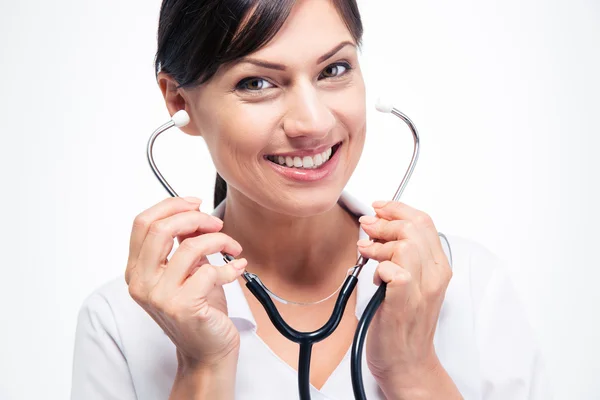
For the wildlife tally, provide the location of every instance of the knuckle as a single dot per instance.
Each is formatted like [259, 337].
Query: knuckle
[394, 205]
[193, 244]
[423, 219]
[135, 290]
[399, 247]
[159, 228]
[396, 227]
[428, 291]
[211, 272]
[435, 289]
[128, 275]
[408, 226]
[403, 246]
[438, 288]
[141, 221]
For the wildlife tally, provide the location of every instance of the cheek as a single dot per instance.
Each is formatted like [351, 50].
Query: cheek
[352, 114]
[238, 140]
[349, 105]
[356, 120]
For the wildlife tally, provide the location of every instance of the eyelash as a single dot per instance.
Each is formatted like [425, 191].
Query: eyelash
[240, 85]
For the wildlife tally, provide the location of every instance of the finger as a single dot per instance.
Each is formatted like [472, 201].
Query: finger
[207, 277]
[142, 222]
[401, 252]
[393, 210]
[401, 287]
[385, 230]
[189, 254]
[159, 241]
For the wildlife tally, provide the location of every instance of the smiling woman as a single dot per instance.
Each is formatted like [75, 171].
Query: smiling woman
[217, 43]
[296, 96]
[276, 91]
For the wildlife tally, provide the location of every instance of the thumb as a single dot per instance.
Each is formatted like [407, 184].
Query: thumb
[401, 287]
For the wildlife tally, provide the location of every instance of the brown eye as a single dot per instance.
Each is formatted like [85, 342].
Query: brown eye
[253, 84]
[334, 70]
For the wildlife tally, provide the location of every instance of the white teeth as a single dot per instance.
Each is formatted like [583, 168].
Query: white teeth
[318, 160]
[307, 162]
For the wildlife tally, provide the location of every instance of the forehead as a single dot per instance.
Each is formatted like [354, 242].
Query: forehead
[312, 28]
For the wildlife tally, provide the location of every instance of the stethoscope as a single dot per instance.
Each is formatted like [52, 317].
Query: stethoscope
[264, 295]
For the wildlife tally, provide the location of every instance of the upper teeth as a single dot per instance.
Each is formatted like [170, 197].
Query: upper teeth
[303, 162]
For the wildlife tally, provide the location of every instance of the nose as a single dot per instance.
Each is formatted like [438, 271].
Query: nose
[307, 116]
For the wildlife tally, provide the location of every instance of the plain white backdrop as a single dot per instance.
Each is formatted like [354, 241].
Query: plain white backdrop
[505, 95]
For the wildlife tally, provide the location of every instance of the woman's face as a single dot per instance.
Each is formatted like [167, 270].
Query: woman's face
[299, 100]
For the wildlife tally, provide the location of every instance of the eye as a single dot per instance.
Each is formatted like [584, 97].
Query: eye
[335, 70]
[253, 84]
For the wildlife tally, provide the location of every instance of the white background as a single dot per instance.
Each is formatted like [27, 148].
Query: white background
[505, 95]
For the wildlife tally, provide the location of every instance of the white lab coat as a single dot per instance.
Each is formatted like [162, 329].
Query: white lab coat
[483, 340]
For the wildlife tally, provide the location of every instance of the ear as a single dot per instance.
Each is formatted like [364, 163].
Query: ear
[176, 99]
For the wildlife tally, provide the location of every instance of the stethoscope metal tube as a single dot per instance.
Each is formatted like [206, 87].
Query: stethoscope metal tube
[179, 119]
[257, 288]
[369, 312]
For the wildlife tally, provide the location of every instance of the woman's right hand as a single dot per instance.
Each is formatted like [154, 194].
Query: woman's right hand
[184, 295]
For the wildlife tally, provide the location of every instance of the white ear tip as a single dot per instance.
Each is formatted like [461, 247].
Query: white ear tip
[384, 106]
[181, 118]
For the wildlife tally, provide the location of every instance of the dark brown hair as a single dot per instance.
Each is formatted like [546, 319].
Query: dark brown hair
[195, 37]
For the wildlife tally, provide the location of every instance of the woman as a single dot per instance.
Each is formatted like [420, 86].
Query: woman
[275, 89]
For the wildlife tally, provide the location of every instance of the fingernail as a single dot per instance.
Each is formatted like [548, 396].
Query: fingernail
[192, 199]
[364, 243]
[367, 219]
[379, 203]
[219, 220]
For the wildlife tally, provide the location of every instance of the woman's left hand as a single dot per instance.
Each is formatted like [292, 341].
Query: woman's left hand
[400, 351]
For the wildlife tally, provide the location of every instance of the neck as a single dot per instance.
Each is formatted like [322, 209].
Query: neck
[293, 254]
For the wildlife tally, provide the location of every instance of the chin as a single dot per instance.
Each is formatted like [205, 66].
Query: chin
[308, 202]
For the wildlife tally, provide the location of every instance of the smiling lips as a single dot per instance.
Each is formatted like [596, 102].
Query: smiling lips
[304, 162]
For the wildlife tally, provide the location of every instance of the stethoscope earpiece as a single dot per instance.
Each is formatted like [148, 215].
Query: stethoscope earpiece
[181, 118]
[383, 105]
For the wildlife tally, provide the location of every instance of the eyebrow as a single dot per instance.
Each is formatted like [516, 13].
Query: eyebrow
[281, 67]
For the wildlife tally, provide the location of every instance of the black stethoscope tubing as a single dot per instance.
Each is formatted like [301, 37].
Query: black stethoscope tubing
[307, 339]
